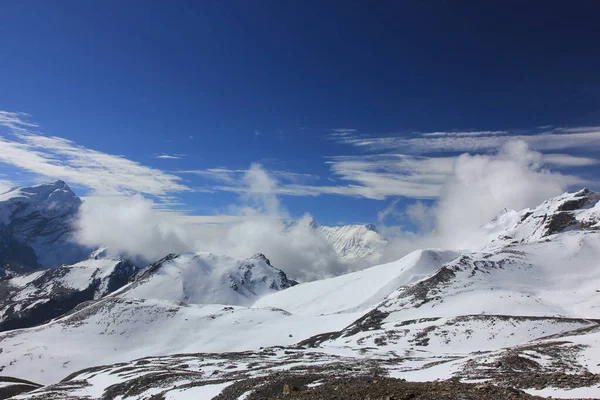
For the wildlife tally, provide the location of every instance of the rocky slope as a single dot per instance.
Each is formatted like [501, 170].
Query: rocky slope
[36, 228]
[37, 297]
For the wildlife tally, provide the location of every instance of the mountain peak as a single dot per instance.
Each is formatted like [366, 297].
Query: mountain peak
[58, 191]
[39, 220]
[261, 257]
[207, 278]
[371, 227]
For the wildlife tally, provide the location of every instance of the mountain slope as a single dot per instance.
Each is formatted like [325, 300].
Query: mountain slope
[205, 278]
[35, 227]
[117, 329]
[522, 310]
[37, 297]
[358, 291]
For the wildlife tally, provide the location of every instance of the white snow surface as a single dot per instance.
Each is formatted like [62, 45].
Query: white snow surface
[115, 330]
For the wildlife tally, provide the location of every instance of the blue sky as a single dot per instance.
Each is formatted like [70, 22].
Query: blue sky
[348, 106]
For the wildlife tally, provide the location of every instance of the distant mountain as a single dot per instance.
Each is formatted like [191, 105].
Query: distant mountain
[354, 242]
[36, 228]
[37, 297]
[350, 242]
[205, 278]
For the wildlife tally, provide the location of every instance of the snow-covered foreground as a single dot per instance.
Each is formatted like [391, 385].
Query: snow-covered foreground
[115, 330]
[523, 311]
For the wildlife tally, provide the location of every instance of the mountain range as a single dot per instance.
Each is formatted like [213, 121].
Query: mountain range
[515, 318]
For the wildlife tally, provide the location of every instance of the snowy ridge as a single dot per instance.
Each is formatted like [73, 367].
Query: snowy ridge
[205, 278]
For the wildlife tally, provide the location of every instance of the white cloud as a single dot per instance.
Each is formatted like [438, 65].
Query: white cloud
[16, 121]
[389, 210]
[478, 189]
[5, 186]
[567, 160]
[481, 186]
[133, 226]
[59, 158]
[421, 215]
[384, 175]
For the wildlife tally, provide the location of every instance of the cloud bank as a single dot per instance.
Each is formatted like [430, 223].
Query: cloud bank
[135, 227]
[475, 190]
[478, 189]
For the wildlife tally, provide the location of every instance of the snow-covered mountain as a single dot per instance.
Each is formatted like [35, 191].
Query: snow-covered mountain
[36, 228]
[355, 242]
[350, 242]
[37, 297]
[205, 278]
[522, 311]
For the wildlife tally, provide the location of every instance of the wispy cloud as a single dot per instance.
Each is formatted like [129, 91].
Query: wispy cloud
[373, 176]
[59, 158]
[567, 160]
[165, 156]
[465, 133]
[344, 130]
[377, 176]
[557, 139]
[233, 176]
